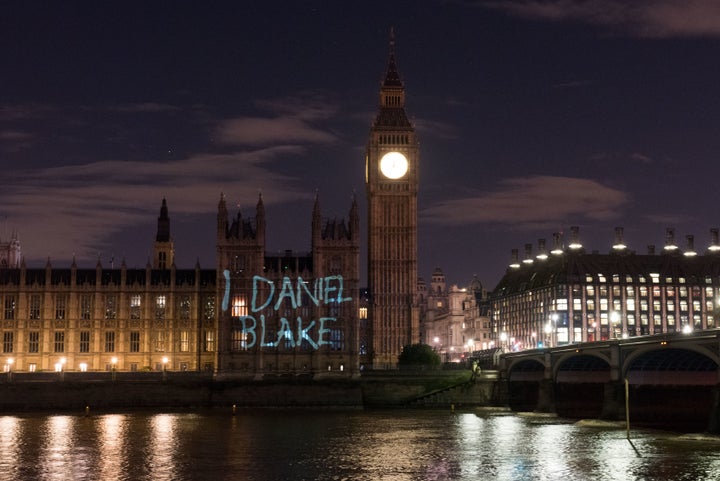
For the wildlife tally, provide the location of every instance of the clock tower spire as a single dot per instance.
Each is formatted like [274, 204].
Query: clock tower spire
[391, 170]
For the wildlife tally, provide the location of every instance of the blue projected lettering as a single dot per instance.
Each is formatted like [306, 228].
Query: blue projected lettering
[325, 290]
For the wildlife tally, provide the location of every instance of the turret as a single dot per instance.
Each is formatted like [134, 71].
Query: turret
[222, 218]
[163, 248]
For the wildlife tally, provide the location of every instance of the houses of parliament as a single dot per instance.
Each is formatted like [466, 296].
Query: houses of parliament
[252, 314]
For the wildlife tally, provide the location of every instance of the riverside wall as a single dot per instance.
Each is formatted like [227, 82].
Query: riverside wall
[118, 391]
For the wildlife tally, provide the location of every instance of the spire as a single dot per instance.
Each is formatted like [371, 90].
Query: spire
[392, 95]
[354, 219]
[316, 220]
[260, 220]
[163, 225]
[222, 218]
[392, 77]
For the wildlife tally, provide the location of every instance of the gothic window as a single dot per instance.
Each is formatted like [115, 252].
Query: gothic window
[337, 339]
[35, 306]
[135, 306]
[59, 344]
[184, 341]
[134, 341]
[60, 306]
[8, 341]
[110, 341]
[86, 306]
[159, 341]
[110, 306]
[209, 341]
[184, 308]
[84, 341]
[239, 306]
[209, 308]
[9, 307]
[160, 307]
[34, 341]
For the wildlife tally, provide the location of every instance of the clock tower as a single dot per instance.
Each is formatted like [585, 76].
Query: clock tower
[391, 175]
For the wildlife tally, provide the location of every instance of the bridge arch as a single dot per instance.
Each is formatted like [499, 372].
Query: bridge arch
[664, 357]
[577, 367]
[527, 369]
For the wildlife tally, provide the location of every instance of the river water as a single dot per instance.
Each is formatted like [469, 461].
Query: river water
[348, 445]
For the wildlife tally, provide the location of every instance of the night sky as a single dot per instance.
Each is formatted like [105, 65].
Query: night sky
[533, 116]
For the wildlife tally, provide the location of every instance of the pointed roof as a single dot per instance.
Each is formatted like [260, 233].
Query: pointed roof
[163, 224]
[392, 76]
[391, 115]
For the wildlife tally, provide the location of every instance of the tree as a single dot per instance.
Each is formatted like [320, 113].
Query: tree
[417, 355]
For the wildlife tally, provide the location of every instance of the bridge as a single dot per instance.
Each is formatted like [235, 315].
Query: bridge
[672, 379]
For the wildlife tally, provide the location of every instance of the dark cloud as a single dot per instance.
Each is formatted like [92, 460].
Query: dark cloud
[532, 201]
[649, 18]
[265, 131]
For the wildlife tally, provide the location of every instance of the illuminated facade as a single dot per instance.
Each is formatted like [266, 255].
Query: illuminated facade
[453, 321]
[294, 314]
[391, 171]
[102, 319]
[570, 296]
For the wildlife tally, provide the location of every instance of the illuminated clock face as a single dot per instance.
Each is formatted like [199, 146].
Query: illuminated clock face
[393, 165]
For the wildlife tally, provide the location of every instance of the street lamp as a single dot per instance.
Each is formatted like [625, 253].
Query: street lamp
[164, 363]
[60, 367]
[114, 361]
[10, 362]
[548, 333]
[614, 320]
[503, 339]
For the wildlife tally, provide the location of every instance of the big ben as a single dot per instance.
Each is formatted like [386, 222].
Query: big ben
[391, 172]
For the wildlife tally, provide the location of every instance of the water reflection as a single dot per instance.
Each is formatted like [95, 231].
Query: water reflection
[396, 445]
[9, 445]
[162, 447]
[56, 454]
[111, 438]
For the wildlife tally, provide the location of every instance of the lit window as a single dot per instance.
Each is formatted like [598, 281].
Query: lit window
[184, 341]
[110, 307]
[135, 305]
[239, 306]
[160, 307]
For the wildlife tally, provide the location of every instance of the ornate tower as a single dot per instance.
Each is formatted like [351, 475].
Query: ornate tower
[391, 172]
[163, 248]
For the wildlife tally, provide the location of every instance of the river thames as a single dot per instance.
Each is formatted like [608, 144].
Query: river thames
[342, 445]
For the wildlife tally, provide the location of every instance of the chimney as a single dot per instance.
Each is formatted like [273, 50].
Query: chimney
[514, 263]
[619, 245]
[690, 251]
[528, 254]
[575, 238]
[557, 244]
[542, 253]
[714, 244]
[670, 239]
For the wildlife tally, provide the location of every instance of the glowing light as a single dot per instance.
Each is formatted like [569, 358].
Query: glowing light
[393, 165]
